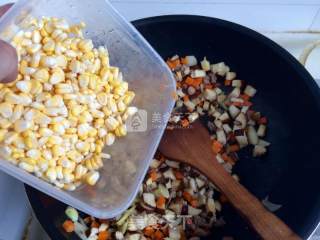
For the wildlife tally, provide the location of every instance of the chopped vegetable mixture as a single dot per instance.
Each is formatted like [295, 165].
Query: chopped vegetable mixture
[175, 201]
[172, 196]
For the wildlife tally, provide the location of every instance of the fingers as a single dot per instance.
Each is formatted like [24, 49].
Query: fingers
[8, 56]
[5, 8]
[8, 63]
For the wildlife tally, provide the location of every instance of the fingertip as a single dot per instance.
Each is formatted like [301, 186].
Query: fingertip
[9, 63]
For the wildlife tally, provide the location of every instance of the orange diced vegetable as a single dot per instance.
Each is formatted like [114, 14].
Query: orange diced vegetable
[228, 159]
[189, 81]
[185, 123]
[161, 202]
[68, 226]
[194, 203]
[153, 175]
[148, 231]
[95, 224]
[197, 81]
[184, 61]
[216, 146]
[104, 235]
[245, 97]
[247, 103]
[158, 235]
[237, 104]
[173, 63]
[187, 196]
[227, 82]
[178, 175]
[186, 98]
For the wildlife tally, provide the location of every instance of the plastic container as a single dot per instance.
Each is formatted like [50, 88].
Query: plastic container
[148, 77]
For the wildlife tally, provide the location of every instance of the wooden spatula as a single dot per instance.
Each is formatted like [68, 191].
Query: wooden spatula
[193, 146]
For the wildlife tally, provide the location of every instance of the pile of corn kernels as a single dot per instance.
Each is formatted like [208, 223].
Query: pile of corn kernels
[65, 106]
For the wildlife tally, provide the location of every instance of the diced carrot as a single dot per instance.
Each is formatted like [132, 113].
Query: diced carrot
[234, 148]
[247, 103]
[189, 80]
[245, 97]
[186, 98]
[178, 84]
[174, 64]
[196, 82]
[174, 95]
[185, 123]
[194, 203]
[68, 226]
[184, 60]
[263, 120]
[237, 104]
[95, 224]
[153, 175]
[103, 235]
[161, 202]
[187, 196]
[228, 159]
[216, 146]
[158, 235]
[178, 175]
[223, 198]
[227, 82]
[148, 231]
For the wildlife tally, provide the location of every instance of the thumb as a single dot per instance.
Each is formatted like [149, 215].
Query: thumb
[8, 63]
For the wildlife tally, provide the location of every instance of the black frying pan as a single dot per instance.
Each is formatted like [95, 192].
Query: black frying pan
[287, 94]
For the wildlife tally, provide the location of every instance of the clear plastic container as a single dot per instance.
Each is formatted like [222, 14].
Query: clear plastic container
[148, 77]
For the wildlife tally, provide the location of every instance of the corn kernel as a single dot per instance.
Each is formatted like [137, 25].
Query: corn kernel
[92, 177]
[41, 75]
[6, 109]
[51, 174]
[54, 115]
[27, 167]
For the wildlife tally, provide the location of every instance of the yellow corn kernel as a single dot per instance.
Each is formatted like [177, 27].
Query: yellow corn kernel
[3, 132]
[129, 96]
[92, 177]
[5, 124]
[44, 33]
[33, 48]
[84, 80]
[27, 167]
[49, 46]
[57, 151]
[30, 142]
[41, 75]
[51, 174]
[80, 171]
[6, 109]
[109, 139]
[22, 125]
[85, 45]
[24, 86]
[121, 131]
[83, 147]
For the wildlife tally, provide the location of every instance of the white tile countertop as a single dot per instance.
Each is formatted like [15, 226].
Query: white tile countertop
[292, 23]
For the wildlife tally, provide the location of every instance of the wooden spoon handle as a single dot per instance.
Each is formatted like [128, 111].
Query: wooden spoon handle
[266, 224]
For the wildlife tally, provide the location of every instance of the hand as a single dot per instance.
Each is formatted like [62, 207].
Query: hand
[8, 56]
